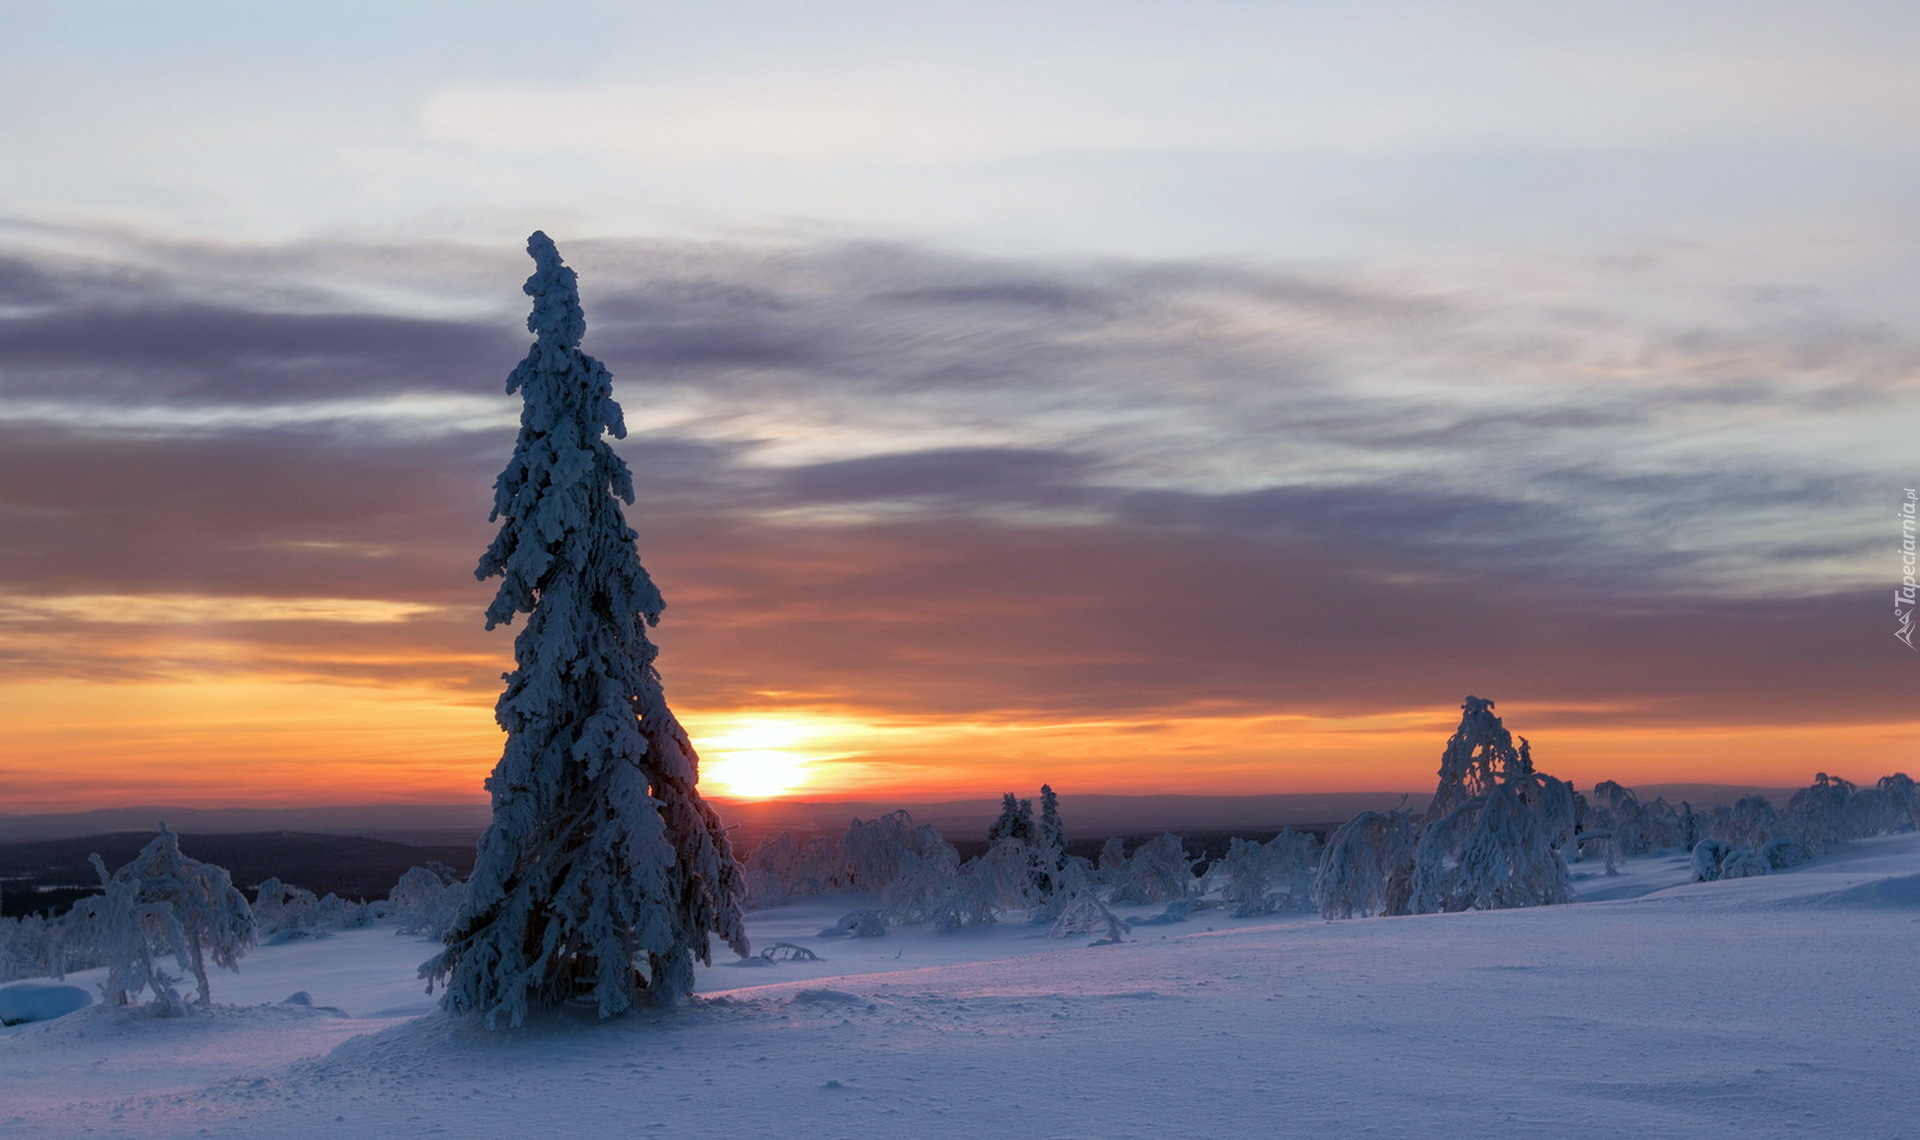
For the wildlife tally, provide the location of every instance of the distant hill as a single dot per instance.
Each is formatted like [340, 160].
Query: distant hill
[460, 824]
[47, 875]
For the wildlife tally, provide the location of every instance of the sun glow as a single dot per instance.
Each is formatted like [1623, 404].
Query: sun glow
[760, 756]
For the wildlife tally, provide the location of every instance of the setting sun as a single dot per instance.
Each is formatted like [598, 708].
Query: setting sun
[760, 757]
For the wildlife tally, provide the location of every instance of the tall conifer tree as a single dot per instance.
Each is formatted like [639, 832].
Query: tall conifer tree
[603, 874]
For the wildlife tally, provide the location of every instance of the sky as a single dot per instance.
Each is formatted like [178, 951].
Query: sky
[1133, 397]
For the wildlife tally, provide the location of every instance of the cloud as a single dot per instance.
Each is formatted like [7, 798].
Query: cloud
[881, 477]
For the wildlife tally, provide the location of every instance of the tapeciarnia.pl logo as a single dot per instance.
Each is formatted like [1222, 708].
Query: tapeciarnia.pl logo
[1903, 598]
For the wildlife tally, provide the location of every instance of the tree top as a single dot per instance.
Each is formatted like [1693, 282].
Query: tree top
[556, 316]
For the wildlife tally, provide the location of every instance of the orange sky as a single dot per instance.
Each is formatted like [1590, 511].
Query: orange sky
[233, 742]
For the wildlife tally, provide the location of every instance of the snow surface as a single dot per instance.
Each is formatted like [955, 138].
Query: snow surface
[1772, 1006]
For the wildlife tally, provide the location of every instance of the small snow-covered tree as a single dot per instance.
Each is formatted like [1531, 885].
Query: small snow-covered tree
[603, 874]
[162, 904]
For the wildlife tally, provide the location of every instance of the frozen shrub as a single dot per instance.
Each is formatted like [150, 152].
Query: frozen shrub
[1744, 863]
[1158, 871]
[1783, 853]
[787, 866]
[1817, 814]
[161, 905]
[1264, 877]
[923, 887]
[1708, 857]
[864, 923]
[1902, 799]
[426, 900]
[28, 947]
[1750, 822]
[1088, 915]
[999, 881]
[278, 907]
[878, 851]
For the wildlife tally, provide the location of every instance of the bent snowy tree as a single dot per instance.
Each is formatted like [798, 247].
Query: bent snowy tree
[1492, 837]
[603, 873]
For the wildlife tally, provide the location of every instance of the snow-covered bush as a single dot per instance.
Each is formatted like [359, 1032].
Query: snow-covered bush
[1367, 867]
[29, 947]
[426, 900]
[1086, 914]
[278, 906]
[1265, 877]
[924, 885]
[1709, 855]
[162, 904]
[1744, 863]
[863, 923]
[1817, 814]
[1782, 854]
[1750, 822]
[1112, 867]
[999, 881]
[603, 875]
[876, 852]
[281, 911]
[1159, 870]
[1902, 799]
[787, 866]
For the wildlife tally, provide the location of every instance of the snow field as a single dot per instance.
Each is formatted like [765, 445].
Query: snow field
[1773, 1006]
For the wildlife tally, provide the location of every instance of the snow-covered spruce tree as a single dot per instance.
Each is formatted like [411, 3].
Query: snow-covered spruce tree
[162, 904]
[1015, 822]
[1053, 837]
[603, 872]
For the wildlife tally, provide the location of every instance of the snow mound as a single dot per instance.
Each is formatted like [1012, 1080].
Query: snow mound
[22, 1002]
[1902, 892]
[827, 997]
